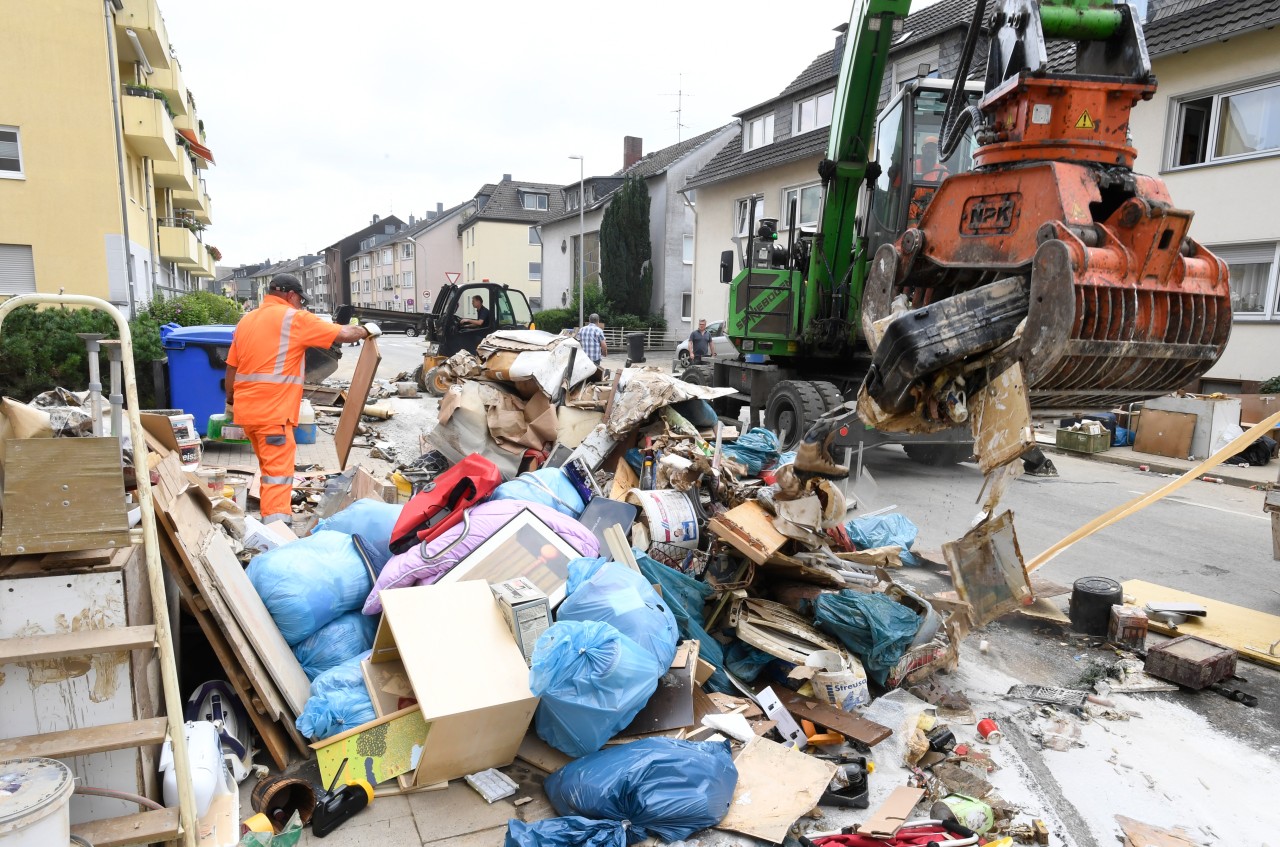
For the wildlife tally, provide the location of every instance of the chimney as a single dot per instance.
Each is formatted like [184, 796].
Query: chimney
[375, 219]
[439, 208]
[506, 177]
[632, 150]
[412, 221]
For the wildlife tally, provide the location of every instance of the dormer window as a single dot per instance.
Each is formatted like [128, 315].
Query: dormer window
[814, 112]
[533, 202]
[757, 133]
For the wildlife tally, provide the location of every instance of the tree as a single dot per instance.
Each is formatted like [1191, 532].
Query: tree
[625, 250]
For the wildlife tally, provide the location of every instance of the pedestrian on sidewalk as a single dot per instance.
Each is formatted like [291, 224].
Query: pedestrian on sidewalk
[591, 338]
[264, 382]
[700, 342]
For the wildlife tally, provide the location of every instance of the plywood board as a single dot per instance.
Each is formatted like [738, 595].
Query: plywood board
[540, 754]
[63, 494]
[1249, 632]
[671, 706]
[750, 530]
[357, 394]
[1139, 834]
[986, 567]
[848, 724]
[776, 785]
[1000, 418]
[1163, 433]
[376, 751]
[255, 621]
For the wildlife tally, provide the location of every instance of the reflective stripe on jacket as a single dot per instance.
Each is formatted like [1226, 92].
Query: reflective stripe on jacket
[267, 351]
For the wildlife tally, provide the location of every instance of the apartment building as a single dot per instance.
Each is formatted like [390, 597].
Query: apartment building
[337, 257]
[102, 155]
[500, 240]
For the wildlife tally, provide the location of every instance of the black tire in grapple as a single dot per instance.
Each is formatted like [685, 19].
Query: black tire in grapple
[697, 375]
[792, 408]
[939, 455]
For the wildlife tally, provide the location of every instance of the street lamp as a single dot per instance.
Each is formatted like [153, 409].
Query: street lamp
[582, 242]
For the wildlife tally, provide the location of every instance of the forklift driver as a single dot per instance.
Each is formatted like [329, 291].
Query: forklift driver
[482, 313]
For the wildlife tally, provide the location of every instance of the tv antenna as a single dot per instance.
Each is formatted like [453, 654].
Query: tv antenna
[679, 110]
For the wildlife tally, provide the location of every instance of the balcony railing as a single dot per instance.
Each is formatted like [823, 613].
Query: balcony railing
[179, 245]
[147, 127]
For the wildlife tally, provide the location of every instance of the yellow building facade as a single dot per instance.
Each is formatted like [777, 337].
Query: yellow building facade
[102, 155]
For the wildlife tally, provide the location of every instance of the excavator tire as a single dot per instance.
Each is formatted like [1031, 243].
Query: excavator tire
[830, 394]
[792, 408]
[435, 383]
[697, 375]
[939, 455]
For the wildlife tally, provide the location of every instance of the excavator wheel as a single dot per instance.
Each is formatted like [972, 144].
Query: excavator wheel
[792, 408]
[939, 455]
[833, 399]
[697, 375]
[435, 382]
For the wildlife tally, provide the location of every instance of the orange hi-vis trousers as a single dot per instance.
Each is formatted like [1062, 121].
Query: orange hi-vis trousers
[275, 448]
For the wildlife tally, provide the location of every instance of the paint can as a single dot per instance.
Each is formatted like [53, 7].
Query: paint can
[671, 516]
[989, 731]
[1091, 600]
[966, 811]
[838, 682]
[35, 794]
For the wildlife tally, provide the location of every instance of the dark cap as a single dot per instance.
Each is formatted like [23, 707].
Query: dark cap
[285, 282]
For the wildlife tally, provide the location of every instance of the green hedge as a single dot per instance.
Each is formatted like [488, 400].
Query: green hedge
[1271, 386]
[195, 308]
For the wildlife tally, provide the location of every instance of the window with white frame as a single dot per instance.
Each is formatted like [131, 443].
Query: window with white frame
[688, 249]
[535, 270]
[406, 279]
[534, 202]
[743, 216]
[808, 200]
[757, 133]
[10, 153]
[534, 238]
[1254, 292]
[364, 263]
[1234, 124]
[355, 266]
[386, 256]
[406, 251]
[686, 306]
[814, 112]
[17, 270]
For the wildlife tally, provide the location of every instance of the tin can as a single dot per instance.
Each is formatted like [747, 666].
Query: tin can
[989, 731]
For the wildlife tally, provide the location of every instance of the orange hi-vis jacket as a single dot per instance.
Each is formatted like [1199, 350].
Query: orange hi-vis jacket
[267, 351]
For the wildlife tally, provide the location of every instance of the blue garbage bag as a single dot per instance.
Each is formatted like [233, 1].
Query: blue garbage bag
[310, 582]
[884, 530]
[744, 661]
[666, 788]
[571, 831]
[339, 701]
[686, 596]
[371, 520]
[879, 630]
[698, 412]
[600, 590]
[335, 642]
[546, 487]
[593, 681]
[757, 449]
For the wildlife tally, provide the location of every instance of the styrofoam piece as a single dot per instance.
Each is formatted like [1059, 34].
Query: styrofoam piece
[492, 784]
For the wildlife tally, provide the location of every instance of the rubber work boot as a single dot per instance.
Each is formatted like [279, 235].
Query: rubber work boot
[814, 453]
[1036, 463]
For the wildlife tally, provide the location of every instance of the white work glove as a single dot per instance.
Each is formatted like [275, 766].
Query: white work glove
[373, 329]
[230, 412]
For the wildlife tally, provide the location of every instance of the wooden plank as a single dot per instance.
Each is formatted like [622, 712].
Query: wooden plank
[255, 621]
[858, 728]
[79, 558]
[1139, 834]
[82, 742]
[357, 395]
[83, 642]
[776, 785]
[142, 828]
[1250, 633]
[749, 529]
[63, 494]
[540, 754]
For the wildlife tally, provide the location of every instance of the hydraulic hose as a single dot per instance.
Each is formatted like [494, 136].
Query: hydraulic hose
[119, 795]
[953, 127]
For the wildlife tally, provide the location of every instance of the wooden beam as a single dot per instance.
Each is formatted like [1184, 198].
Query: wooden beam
[141, 828]
[845, 723]
[79, 643]
[82, 742]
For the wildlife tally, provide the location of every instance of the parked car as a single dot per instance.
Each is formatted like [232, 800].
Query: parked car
[720, 346]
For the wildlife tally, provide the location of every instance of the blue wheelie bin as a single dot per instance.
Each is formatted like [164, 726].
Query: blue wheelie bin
[197, 368]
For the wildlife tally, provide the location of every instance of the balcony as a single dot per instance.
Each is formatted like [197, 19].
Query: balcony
[169, 80]
[143, 17]
[179, 245]
[195, 201]
[148, 129]
[206, 264]
[179, 175]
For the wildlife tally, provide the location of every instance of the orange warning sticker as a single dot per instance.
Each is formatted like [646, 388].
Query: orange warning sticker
[1085, 122]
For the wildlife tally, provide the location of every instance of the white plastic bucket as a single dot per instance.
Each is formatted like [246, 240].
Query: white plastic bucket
[669, 515]
[34, 794]
[838, 682]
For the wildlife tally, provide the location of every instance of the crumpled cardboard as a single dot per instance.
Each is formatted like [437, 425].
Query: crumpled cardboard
[641, 392]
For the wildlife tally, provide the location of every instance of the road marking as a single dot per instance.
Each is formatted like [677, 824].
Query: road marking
[1207, 506]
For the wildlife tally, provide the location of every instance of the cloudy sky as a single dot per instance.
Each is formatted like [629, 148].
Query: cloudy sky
[322, 113]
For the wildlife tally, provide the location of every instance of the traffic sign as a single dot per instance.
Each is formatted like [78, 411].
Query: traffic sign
[410, 302]
[452, 276]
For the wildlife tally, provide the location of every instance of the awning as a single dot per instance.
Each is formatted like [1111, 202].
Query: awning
[196, 147]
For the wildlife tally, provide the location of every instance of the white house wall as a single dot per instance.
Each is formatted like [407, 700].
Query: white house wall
[557, 265]
[439, 252]
[1230, 200]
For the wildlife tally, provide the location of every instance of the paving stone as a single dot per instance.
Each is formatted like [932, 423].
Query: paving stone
[457, 811]
[362, 831]
[485, 838]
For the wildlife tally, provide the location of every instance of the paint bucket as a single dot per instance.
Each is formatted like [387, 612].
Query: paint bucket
[1091, 600]
[966, 811]
[189, 453]
[213, 480]
[671, 516]
[406, 389]
[34, 797]
[989, 731]
[239, 491]
[278, 797]
[838, 682]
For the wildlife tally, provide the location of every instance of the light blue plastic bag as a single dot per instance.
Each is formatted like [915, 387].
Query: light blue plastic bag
[884, 530]
[606, 591]
[546, 487]
[593, 681]
[339, 701]
[570, 831]
[371, 520]
[335, 642]
[310, 582]
[756, 449]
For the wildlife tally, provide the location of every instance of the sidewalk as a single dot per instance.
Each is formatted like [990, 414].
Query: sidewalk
[1254, 476]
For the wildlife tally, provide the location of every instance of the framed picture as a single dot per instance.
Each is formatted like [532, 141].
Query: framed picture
[526, 547]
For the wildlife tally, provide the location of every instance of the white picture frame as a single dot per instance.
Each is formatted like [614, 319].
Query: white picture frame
[524, 546]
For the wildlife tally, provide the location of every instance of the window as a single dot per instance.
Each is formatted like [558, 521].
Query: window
[688, 249]
[1254, 292]
[534, 238]
[364, 263]
[386, 256]
[10, 153]
[534, 202]
[757, 133]
[406, 279]
[17, 270]
[814, 112]
[686, 306]
[808, 200]
[742, 214]
[406, 251]
[535, 270]
[1232, 124]
[354, 265]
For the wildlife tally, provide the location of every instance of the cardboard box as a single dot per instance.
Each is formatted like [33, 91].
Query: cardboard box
[525, 608]
[266, 536]
[467, 674]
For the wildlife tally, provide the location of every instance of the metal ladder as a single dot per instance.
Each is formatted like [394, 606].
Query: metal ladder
[149, 826]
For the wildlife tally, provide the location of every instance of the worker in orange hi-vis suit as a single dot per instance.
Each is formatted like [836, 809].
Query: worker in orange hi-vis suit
[264, 382]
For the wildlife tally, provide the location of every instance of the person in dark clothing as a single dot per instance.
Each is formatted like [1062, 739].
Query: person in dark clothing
[482, 313]
[700, 341]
